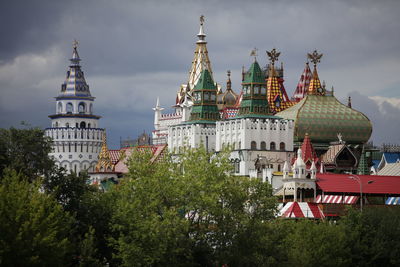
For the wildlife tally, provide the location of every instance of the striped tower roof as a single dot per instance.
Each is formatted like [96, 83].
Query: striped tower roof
[75, 84]
[304, 83]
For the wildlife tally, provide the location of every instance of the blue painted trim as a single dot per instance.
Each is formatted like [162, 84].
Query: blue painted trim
[90, 98]
[83, 116]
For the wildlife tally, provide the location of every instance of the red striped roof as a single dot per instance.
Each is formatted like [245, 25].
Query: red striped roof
[341, 183]
[301, 210]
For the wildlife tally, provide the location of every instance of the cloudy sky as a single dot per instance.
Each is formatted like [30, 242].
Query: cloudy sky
[135, 51]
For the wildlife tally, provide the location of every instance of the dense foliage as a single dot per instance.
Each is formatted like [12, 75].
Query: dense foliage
[189, 211]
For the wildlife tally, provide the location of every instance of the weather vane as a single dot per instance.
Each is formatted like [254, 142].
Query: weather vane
[201, 19]
[273, 55]
[253, 53]
[75, 44]
[315, 57]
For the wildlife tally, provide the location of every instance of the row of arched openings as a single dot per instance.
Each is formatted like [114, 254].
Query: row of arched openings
[82, 108]
[263, 146]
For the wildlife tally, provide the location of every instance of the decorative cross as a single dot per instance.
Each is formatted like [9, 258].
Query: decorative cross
[75, 44]
[273, 55]
[315, 57]
[201, 19]
[229, 73]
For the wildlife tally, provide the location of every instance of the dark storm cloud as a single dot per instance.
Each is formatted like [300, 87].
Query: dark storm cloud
[134, 51]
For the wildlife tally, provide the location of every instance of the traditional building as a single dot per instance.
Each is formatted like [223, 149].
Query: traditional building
[77, 138]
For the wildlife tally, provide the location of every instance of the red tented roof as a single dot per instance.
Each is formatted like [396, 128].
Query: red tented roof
[301, 210]
[371, 184]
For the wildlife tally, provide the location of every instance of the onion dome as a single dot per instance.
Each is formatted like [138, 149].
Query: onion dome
[75, 84]
[204, 108]
[323, 117]
[229, 97]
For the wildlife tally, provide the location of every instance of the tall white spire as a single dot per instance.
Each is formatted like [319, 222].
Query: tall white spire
[201, 33]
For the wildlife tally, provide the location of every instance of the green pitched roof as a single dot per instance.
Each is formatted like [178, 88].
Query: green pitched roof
[323, 117]
[254, 74]
[205, 81]
[363, 164]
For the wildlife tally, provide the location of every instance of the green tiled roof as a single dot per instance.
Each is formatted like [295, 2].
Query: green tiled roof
[254, 75]
[205, 81]
[323, 117]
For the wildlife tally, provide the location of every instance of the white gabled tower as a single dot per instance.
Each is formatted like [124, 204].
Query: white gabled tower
[76, 135]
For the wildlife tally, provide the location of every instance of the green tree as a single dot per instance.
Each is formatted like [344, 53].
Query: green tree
[187, 211]
[316, 243]
[26, 151]
[373, 236]
[34, 228]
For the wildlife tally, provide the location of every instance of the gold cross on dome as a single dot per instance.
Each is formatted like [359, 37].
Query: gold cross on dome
[273, 55]
[75, 44]
[315, 57]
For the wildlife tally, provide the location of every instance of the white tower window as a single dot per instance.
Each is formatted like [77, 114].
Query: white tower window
[81, 108]
[60, 107]
[70, 108]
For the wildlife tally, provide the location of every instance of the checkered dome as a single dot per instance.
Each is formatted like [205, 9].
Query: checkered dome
[323, 117]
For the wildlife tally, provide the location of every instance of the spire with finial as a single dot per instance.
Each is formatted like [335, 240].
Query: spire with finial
[349, 102]
[228, 82]
[201, 33]
[200, 63]
[104, 163]
[75, 84]
[315, 87]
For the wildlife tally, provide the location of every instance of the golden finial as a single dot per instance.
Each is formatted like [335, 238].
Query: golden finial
[273, 55]
[75, 44]
[228, 82]
[315, 57]
[201, 20]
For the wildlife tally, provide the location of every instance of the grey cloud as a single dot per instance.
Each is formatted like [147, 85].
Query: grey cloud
[134, 51]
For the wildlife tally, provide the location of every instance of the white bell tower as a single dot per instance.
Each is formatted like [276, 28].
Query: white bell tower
[74, 128]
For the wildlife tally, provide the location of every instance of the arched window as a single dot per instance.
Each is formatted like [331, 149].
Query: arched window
[67, 125]
[263, 146]
[279, 167]
[272, 146]
[253, 145]
[59, 107]
[83, 124]
[57, 124]
[91, 108]
[282, 146]
[70, 108]
[88, 125]
[81, 108]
